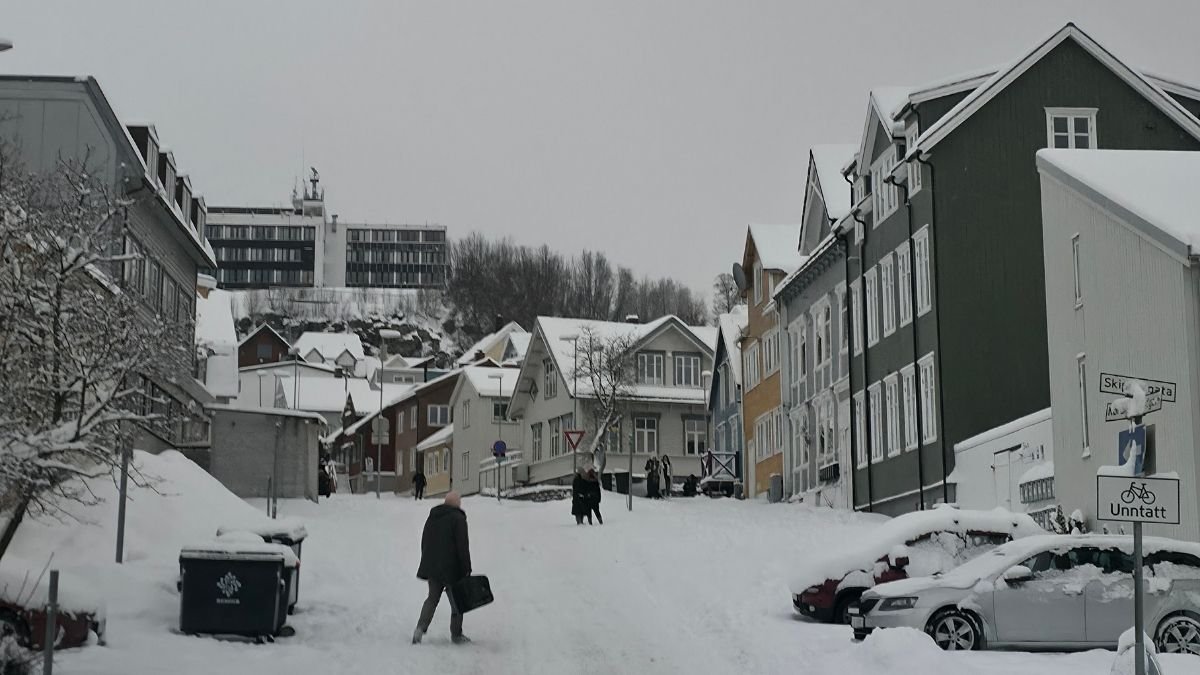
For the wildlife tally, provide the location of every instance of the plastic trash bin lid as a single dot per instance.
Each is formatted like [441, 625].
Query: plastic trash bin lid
[234, 549]
[288, 530]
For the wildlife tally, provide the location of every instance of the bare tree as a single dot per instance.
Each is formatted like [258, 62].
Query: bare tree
[726, 295]
[82, 346]
[608, 371]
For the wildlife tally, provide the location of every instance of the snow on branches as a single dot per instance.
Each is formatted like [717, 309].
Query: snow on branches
[78, 345]
[608, 369]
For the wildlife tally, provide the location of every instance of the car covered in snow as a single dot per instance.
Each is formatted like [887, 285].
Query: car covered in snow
[23, 613]
[1058, 592]
[914, 544]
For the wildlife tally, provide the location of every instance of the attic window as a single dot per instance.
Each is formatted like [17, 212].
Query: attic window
[1073, 128]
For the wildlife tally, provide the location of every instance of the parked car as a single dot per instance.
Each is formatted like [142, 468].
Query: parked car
[1053, 591]
[914, 544]
[28, 624]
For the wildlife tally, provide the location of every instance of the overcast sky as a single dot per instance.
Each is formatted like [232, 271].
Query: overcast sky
[653, 131]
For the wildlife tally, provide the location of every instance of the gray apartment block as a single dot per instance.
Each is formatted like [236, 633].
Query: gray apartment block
[252, 446]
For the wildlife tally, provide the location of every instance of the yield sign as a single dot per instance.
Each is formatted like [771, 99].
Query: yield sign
[573, 437]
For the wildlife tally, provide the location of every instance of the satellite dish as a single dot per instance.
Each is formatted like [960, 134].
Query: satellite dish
[739, 276]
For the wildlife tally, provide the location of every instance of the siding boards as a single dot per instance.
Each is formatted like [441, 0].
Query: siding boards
[988, 243]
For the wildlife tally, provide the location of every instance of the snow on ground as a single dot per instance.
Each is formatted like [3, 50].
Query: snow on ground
[685, 585]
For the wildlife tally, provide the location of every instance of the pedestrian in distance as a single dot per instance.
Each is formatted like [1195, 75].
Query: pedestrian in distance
[666, 471]
[579, 497]
[419, 485]
[652, 466]
[445, 560]
[592, 490]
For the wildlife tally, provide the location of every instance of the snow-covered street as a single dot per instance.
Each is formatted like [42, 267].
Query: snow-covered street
[687, 585]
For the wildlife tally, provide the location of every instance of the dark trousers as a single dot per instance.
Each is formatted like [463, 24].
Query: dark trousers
[596, 510]
[419, 492]
[436, 588]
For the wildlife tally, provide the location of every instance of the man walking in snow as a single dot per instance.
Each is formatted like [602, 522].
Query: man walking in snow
[419, 485]
[445, 559]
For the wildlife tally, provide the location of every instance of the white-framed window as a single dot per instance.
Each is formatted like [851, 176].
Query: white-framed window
[843, 428]
[856, 323]
[650, 368]
[888, 289]
[908, 396]
[858, 232]
[1081, 368]
[549, 378]
[1075, 266]
[780, 436]
[758, 283]
[860, 436]
[914, 167]
[445, 461]
[904, 283]
[645, 435]
[438, 415]
[687, 370]
[464, 416]
[928, 402]
[695, 436]
[499, 411]
[752, 371]
[843, 319]
[872, 308]
[1071, 128]
[801, 352]
[799, 437]
[892, 398]
[770, 354]
[730, 385]
[399, 422]
[535, 441]
[885, 197]
[824, 332]
[875, 410]
[924, 287]
[555, 437]
[463, 458]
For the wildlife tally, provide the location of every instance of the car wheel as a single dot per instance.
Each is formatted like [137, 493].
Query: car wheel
[1179, 634]
[841, 610]
[954, 630]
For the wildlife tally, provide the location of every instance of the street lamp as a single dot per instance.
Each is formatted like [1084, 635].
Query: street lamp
[295, 354]
[574, 339]
[499, 432]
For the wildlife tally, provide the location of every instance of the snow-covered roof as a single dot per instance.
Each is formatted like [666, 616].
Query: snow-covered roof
[490, 341]
[731, 325]
[909, 527]
[281, 412]
[289, 365]
[484, 380]
[520, 343]
[328, 394]
[811, 259]
[557, 331]
[288, 528]
[330, 345]
[1039, 471]
[1005, 76]
[707, 334]
[777, 246]
[394, 394]
[440, 437]
[944, 86]
[1003, 430]
[1150, 187]
[258, 328]
[887, 100]
[828, 161]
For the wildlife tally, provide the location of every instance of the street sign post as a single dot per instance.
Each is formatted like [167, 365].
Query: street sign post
[1111, 383]
[498, 451]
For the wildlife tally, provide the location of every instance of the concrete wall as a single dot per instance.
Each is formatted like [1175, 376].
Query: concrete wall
[988, 472]
[249, 446]
[1138, 317]
[473, 438]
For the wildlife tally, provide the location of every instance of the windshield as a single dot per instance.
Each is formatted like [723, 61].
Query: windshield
[987, 564]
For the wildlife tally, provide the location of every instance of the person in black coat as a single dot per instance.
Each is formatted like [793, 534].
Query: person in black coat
[445, 559]
[592, 490]
[418, 485]
[580, 506]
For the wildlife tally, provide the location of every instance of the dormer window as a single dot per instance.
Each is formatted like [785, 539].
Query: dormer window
[152, 159]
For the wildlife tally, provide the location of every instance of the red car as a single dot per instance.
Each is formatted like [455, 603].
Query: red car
[922, 543]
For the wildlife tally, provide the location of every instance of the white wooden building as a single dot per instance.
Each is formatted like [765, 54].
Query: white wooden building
[1122, 262]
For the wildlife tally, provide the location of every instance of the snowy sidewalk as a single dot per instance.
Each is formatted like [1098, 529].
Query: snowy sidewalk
[681, 586]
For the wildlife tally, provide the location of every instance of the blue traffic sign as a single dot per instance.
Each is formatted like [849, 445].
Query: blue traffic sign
[499, 448]
[1133, 442]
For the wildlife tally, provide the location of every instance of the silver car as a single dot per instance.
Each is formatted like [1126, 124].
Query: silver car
[1052, 591]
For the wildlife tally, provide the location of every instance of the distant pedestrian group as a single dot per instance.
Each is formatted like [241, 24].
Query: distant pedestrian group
[658, 470]
[585, 496]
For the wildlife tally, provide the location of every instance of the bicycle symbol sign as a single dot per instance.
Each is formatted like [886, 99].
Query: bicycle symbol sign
[1147, 500]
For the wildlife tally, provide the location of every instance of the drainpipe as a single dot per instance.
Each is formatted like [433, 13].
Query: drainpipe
[862, 247]
[789, 457]
[913, 315]
[937, 287]
[854, 440]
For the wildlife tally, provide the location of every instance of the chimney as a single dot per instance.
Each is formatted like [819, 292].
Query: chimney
[497, 323]
[632, 318]
[334, 217]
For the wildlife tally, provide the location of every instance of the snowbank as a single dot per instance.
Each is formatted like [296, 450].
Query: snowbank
[902, 530]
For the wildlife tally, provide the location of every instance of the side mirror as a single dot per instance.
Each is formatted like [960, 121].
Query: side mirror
[1018, 573]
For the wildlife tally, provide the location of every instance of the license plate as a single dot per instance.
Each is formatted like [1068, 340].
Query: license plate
[857, 622]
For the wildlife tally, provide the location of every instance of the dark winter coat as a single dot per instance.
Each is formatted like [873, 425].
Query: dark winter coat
[592, 492]
[445, 549]
[579, 496]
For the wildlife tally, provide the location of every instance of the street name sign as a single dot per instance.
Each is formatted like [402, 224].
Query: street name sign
[1111, 383]
[1138, 499]
[1117, 410]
